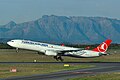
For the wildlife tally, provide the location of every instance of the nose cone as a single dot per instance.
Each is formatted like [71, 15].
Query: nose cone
[8, 43]
[11, 43]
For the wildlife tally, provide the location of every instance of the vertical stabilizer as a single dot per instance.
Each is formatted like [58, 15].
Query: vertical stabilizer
[103, 47]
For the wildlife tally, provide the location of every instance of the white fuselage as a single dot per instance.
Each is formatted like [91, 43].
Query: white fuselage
[53, 50]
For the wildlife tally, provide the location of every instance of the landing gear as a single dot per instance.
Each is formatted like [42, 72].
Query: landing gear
[39, 53]
[17, 50]
[58, 58]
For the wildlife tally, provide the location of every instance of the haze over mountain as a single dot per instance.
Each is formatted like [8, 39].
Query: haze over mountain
[62, 29]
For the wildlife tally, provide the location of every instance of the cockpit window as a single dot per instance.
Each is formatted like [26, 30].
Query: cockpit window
[12, 41]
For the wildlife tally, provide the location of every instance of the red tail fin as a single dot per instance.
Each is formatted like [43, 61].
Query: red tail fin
[103, 47]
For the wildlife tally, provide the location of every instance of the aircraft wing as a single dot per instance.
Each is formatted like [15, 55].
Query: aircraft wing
[64, 51]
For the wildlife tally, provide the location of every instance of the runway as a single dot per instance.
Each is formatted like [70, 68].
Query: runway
[101, 67]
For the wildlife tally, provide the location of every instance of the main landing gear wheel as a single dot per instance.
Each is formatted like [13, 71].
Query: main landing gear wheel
[58, 58]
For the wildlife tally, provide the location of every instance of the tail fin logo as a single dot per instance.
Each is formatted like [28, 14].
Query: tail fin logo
[103, 47]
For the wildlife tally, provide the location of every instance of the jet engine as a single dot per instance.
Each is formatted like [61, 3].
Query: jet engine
[52, 53]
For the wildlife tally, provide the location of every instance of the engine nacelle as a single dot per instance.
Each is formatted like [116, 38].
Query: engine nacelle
[51, 53]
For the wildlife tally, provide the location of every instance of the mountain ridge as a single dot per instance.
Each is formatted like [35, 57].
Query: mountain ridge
[62, 29]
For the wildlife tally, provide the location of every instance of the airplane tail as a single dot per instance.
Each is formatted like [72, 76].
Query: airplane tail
[103, 47]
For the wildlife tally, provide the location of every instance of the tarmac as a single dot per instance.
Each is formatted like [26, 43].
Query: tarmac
[101, 67]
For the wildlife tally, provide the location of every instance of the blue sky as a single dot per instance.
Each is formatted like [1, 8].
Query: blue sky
[26, 10]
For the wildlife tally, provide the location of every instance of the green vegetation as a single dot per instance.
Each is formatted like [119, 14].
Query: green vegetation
[107, 76]
[28, 69]
[5, 46]
[10, 55]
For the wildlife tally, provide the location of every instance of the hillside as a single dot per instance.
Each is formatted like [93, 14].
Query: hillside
[62, 29]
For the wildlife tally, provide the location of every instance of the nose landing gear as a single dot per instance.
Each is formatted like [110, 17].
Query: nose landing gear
[17, 50]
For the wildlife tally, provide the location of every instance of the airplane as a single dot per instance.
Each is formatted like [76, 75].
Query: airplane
[57, 50]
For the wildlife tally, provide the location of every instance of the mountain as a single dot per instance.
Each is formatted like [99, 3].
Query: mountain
[62, 29]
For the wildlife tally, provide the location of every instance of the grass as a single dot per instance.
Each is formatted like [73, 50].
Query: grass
[10, 55]
[105, 76]
[28, 69]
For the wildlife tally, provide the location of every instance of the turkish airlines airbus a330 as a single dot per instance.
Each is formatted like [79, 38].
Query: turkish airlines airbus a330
[57, 51]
